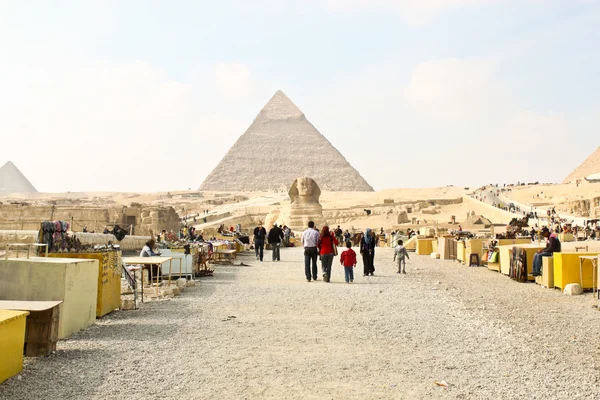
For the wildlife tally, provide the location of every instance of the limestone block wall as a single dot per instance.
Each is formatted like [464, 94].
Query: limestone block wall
[129, 243]
[144, 219]
[155, 219]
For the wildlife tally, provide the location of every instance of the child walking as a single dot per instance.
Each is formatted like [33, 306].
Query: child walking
[401, 255]
[348, 260]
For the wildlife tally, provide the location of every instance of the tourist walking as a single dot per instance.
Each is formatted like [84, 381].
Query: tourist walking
[327, 249]
[348, 260]
[260, 233]
[400, 255]
[339, 234]
[367, 250]
[274, 239]
[310, 240]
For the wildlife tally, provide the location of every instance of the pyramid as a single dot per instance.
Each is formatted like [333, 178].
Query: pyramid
[589, 167]
[279, 146]
[13, 181]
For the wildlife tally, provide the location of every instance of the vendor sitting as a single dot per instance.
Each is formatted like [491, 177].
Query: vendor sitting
[147, 250]
[552, 246]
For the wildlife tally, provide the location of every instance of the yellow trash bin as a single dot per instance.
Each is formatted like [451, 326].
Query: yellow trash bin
[12, 342]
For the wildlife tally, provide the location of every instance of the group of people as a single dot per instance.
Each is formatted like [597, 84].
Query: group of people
[276, 236]
[323, 245]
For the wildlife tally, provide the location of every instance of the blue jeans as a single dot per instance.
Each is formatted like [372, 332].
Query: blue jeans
[349, 273]
[326, 262]
[310, 255]
[537, 262]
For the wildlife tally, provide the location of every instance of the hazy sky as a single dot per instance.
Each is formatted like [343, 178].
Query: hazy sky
[149, 95]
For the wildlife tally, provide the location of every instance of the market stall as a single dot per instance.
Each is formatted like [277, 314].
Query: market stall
[575, 268]
[70, 280]
[142, 262]
[41, 330]
[425, 246]
[109, 275]
[12, 337]
[506, 257]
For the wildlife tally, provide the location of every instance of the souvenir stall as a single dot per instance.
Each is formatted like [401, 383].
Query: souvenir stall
[223, 250]
[190, 258]
[516, 261]
[425, 246]
[12, 334]
[491, 256]
[581, 268]
[74, 281]
[447, 247]
[61, 244]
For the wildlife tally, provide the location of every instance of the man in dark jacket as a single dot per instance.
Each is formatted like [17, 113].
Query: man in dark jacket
[259, 240]
[552, 246]
[274, 238]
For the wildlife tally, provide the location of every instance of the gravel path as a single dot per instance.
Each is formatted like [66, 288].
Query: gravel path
[383, 337]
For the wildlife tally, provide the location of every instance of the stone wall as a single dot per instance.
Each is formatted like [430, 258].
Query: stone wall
[129, 243]
[155, 219]
[95, 218]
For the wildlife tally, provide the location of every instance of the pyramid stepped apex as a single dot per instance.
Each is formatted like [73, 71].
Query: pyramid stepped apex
[13, 181]
[589, 167]
[280, 107]
[279, 146]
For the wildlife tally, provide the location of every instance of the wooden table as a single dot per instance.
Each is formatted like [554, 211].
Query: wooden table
[594, 261]
[228, 255]
[148, 261]
[28, 245]
[41, 332]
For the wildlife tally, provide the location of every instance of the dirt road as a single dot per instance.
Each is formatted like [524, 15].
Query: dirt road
[264, 332]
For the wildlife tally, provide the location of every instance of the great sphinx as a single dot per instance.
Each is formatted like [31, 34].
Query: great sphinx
[304, 206]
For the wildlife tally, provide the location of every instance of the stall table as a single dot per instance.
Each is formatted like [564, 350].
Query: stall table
[149, 261]
[225, 255]
[41, 331]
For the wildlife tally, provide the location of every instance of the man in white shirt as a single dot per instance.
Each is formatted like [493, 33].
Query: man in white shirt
[310, 239]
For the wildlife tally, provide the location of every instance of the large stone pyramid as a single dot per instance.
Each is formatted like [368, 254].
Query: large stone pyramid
[589, 167]
[13, 181]
[279, 146]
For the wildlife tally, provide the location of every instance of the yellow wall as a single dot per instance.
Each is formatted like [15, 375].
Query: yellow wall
[424, 247]
[73, 281]
[461, 251]
[109, 278]
[12, 342]
[566, 269]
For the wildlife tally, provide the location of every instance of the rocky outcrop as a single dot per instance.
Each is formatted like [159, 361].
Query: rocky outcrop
[280, 145]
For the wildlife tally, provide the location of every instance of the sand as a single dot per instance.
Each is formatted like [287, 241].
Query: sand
[263, 332]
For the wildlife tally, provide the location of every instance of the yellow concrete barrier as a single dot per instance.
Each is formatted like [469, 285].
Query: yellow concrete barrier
[12, 342]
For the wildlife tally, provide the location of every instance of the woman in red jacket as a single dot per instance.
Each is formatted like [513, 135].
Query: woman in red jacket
[327, 241]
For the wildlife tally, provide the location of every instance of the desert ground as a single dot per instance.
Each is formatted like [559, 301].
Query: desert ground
[263, 332]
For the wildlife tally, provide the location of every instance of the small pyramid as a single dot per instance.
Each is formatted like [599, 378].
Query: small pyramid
[13, 181]
[589, 167]
[279, 146]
